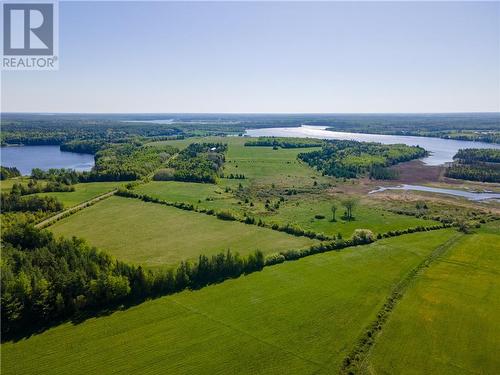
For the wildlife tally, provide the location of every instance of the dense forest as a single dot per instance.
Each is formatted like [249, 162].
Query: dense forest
[476, 165]
[472, 155]
[114, 162]
[127, 162]
[199, 162]
[12, 202]
[350, 159]
[283, 142]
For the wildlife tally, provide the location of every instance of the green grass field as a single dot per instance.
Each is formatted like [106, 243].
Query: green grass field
[156, 235]
[447, 323]
[300, 209]
[202, 195]
[6, 185]
[83, 192]
[260, 165]
[300, 317]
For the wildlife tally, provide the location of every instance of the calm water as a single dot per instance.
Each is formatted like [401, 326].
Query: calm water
[473, 196]
[442, 150]
[25, 158]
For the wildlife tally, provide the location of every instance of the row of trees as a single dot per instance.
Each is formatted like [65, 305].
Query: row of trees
[34, 186]
[45, 279]
[349, 159]
[227, 215]
[31, 203]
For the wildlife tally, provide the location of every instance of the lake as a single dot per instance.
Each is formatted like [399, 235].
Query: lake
[25, 158]
[473, 196]
[442, 150]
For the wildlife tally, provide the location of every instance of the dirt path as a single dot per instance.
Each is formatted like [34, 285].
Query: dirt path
[71, 210]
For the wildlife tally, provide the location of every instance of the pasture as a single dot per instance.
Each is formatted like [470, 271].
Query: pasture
[447, 323]
[83, 192]
[156, 235]
[300, 209]
[299, 317]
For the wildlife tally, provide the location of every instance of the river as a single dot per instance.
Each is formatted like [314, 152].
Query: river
[441, 150]
[470, 195]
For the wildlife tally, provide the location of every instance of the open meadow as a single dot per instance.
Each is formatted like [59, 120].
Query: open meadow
[300, 317]
[83, 192]
[156, 235]
[447, 321]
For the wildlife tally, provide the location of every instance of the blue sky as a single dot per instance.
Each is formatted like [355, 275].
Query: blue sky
[268, 57]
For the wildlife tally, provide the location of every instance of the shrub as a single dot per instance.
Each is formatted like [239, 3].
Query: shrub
[225, 215]
[362, 236]
[274, 259]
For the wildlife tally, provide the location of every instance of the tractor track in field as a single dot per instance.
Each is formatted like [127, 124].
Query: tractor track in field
[69, 211]
[353, 363]
[239, 330]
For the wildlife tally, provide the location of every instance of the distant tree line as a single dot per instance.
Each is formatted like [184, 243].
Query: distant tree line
[284, 142]
[476, 165]
[78, 134]
[474, 172]
[472, 155]
[350, 159]
[83, 146]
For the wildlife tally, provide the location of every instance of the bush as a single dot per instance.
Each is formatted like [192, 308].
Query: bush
[225, 215]
[362, 236]
[274, 259]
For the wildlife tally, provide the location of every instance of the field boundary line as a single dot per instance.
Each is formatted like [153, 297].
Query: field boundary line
[70, 211]
[357, 357]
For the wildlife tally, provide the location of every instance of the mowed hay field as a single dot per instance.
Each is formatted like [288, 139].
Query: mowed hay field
[83, 192]
[155, 235]
[447, 323]
[210, 196]
[299, 317]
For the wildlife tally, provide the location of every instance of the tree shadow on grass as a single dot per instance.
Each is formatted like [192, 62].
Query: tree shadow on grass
[83, 316]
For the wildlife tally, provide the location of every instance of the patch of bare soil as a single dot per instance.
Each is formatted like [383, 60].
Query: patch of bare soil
[416, 172]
